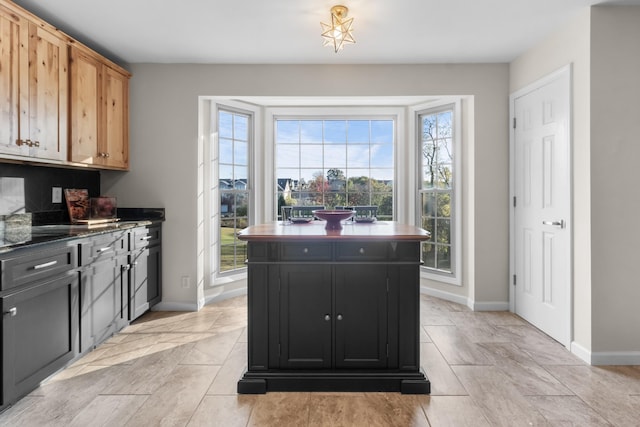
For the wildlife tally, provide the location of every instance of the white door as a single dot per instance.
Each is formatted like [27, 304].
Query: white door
[542, 205]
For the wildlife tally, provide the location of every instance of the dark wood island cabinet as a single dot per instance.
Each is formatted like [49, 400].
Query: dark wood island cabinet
[333, 310]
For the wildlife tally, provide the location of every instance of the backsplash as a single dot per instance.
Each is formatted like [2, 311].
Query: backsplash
[36, 183]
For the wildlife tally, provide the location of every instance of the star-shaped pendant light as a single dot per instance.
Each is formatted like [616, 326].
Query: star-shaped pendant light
[339, 32]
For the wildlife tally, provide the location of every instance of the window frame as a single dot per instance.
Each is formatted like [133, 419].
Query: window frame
[397, 114]
[455, 276]
[212, 191]
[326, 144]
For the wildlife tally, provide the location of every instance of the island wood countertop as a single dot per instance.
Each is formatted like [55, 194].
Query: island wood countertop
[315, 230]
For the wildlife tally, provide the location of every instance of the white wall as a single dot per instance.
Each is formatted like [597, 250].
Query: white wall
[615, 153]
[164, 132]
[570, 45]
[602, 44]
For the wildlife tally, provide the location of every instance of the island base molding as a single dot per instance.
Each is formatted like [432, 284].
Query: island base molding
[403, 382]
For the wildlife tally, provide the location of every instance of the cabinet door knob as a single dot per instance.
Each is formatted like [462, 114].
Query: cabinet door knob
[361, 250]
[13, 311]
[327, 317]
[305, 250]
[339, 317]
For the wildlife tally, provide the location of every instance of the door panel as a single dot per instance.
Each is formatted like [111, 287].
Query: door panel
[305, 316]
[361, 316]
[542, 233]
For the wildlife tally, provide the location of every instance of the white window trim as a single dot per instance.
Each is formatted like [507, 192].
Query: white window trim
[397, 114]
[454, 278]
[212, 276]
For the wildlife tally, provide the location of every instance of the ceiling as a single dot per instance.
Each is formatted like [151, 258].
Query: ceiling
[288, 31]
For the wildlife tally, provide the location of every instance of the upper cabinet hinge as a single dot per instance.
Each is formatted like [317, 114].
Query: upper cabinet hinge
[387, 350]
[514, 280]
[514, 201]
[514, 122]
[387, 285]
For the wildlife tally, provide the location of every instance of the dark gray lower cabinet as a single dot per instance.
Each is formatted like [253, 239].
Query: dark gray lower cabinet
[138, 294]
[39, 334]
[103, 300]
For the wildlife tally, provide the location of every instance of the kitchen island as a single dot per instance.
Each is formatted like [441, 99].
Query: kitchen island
[333, 310]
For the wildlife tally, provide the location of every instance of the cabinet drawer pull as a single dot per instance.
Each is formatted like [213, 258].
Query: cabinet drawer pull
[13, 311]
[145, 238]
[305, 250]
[339, 317]
[45, 265]
[361, 250]
[327, 317]
[101, 250]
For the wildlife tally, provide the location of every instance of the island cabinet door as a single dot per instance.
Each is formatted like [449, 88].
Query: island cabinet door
[361, 317]
[305, 316]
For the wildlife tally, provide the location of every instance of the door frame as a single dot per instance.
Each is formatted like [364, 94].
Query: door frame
[512, 246]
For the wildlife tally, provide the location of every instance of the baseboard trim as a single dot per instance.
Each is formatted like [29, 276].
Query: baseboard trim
[475, 306]
[225, 295]
[580, 352]
[175, 306]
[448, 296]
[615, 358]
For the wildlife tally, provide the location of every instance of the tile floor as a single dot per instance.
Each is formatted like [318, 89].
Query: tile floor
[181, 369]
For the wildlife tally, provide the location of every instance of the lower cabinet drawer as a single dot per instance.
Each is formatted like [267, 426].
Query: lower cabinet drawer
[33, 265]
[305, 251]
[361, 251]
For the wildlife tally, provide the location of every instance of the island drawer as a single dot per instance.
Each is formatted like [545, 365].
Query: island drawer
[305, 251]
[361, 251]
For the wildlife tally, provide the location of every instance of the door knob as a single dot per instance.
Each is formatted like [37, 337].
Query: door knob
[554, 223]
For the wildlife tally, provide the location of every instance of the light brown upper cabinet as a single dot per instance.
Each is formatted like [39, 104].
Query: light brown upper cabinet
[34, 89]
[99, 112]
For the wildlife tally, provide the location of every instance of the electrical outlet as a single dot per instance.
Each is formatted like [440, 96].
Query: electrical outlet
[185, 282]
[56, 194]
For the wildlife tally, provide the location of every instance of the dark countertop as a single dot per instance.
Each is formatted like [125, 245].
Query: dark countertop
[27, 236]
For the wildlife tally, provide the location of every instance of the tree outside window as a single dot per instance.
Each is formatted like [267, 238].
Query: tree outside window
[437, 188]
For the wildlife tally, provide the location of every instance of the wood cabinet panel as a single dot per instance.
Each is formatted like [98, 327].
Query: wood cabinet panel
[99, 112]
[85, 107]
[9, 83]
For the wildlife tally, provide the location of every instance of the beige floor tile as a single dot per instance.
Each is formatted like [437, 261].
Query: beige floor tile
[454, 411]
[567, 411]
[226, 382]
[104, 411]
[456, 348]
[543, 349]
[443, 380]
[603, 389]
[151, 371]
[528, 377]
[213, 350]
[174, 403]
[497, 397]
[223, 411]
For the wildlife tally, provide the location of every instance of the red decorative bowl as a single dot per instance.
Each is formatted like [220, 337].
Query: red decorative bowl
[333, 218]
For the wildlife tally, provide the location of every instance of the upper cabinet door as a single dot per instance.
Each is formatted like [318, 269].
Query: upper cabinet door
[99, 113]
[86, 78]
[44, 92]
[116, 117]
[10, 83]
